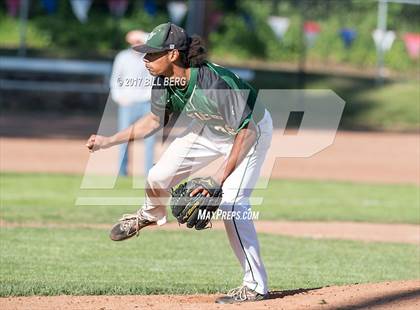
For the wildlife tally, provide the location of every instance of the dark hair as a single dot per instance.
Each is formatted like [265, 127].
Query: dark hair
[196, 54]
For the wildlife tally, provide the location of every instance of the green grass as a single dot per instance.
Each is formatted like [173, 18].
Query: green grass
[392, 107]
[85, 261]
[51, 198]
[41, 261]
[340, 201]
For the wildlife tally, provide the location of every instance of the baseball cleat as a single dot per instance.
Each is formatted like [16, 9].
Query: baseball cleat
[129, 225]
[241, 294]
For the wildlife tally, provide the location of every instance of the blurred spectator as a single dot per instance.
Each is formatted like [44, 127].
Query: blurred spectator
[131, 92]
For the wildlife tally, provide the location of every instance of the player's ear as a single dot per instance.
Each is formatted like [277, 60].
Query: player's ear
[174, 55]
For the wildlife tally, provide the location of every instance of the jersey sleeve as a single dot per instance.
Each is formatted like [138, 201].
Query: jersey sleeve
[234, 109]
[232, 104]
[160, 105]
[233, 100]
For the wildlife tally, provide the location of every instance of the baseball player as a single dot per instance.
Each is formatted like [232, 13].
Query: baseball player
[227, 121]
[133, 100]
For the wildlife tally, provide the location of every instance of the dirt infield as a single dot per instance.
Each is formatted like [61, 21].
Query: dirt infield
[387, 295]
[367, 232]
[55, 143]
[354, 156]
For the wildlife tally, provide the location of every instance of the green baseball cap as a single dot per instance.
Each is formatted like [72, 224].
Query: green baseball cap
[164, 37]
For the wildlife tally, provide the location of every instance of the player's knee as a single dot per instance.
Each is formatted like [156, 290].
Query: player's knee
[157, 178]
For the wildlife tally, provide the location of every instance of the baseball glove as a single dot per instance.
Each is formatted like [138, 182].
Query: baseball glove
[195, 211]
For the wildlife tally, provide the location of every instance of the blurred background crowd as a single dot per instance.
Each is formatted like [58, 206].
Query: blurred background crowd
[56, 56]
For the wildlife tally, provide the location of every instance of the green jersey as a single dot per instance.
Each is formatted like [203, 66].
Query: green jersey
[214, 96]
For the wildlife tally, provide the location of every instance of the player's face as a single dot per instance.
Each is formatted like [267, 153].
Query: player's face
[159, 63]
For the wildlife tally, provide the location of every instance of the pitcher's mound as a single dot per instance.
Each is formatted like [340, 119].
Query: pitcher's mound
[388, 295]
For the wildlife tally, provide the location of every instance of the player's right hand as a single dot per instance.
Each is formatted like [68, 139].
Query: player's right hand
[97, 142]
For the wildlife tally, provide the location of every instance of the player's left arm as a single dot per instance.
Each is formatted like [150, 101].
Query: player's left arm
[244, 140]
[237, 114]
[233, 106]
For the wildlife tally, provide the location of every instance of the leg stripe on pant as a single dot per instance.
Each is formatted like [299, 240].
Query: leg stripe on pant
[233, 207]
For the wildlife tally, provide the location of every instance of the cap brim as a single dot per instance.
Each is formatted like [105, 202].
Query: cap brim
[146, 49]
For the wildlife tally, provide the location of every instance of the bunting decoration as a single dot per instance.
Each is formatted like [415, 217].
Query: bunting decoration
[279, 25]
[150, 7]
[249, 21]
[118, 7]
[50, 6]
[383, 39]
[13, 7]
[312, 30]
[177, 11]
[215, 20]
[348, 36]
[412, 44]
[81, 9]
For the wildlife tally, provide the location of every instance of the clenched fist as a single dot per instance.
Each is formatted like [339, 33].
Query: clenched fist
[97, 142]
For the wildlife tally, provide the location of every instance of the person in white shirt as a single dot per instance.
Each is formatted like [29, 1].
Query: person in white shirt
[131, 90]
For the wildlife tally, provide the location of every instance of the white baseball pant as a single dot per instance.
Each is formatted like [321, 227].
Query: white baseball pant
[192, 151]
